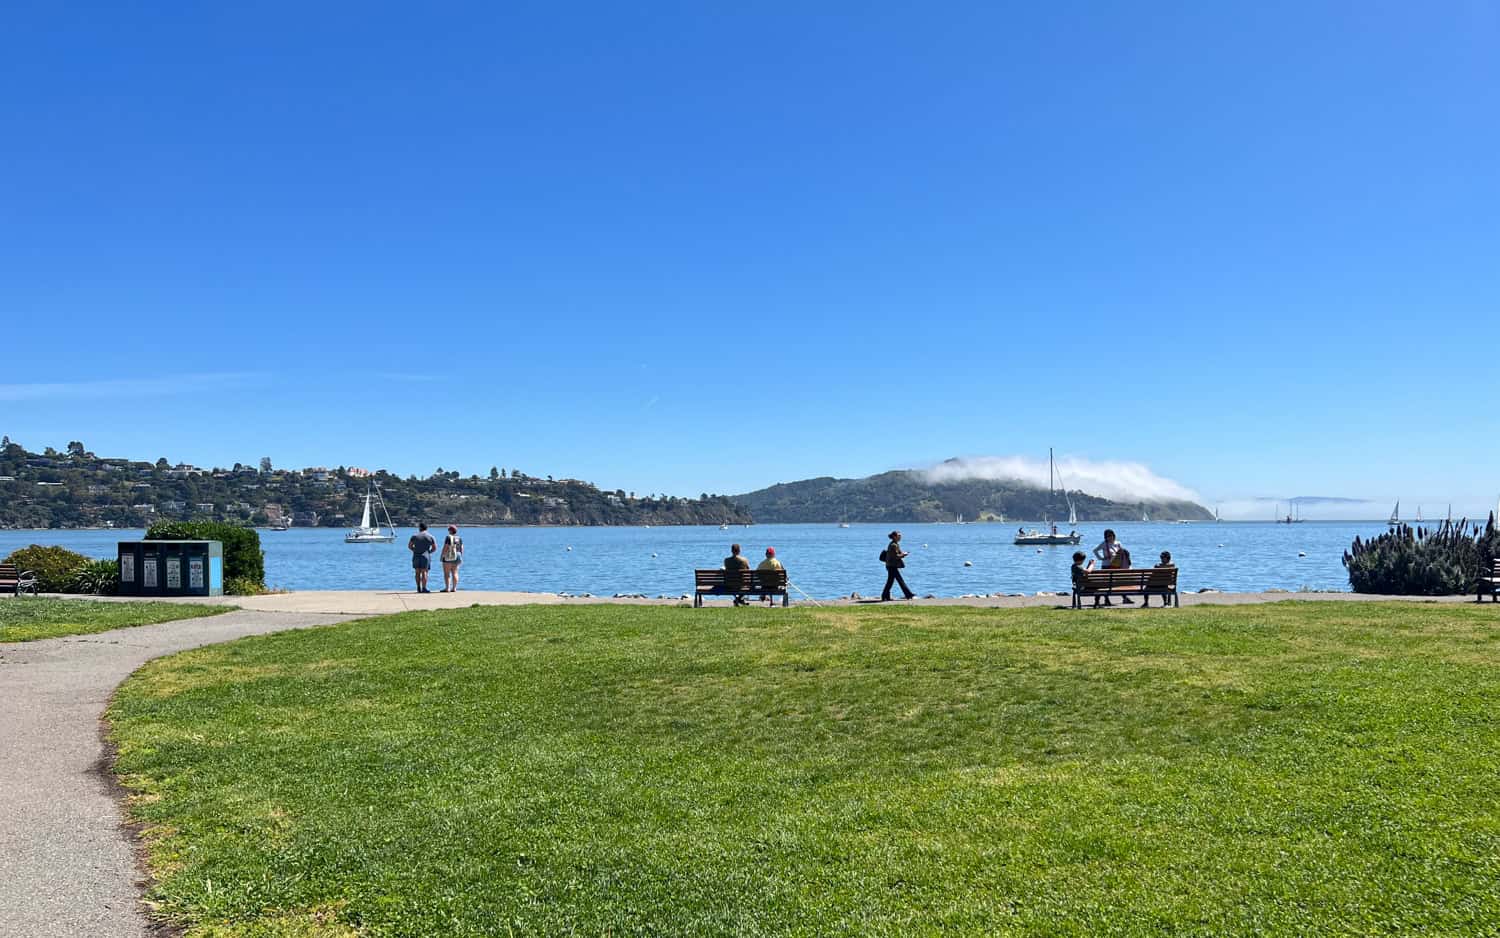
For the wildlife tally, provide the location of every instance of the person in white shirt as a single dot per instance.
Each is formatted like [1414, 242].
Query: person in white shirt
[1105, 552]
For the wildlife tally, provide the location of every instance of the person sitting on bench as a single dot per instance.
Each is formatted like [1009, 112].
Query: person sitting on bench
[1166, 559]
[734, 563]
[1079, 570]
[770, 563]
[1120, 561]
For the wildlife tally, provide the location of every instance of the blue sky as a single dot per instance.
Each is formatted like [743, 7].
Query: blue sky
[684, 247]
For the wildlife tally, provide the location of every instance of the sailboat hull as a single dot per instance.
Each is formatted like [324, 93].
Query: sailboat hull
[362, 537]
[1036, 540]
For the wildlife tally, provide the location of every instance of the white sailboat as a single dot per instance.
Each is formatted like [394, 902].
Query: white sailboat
[1051, 536]
[1144, 516]
[1395, 521]
[366, 533]
[1419, 514]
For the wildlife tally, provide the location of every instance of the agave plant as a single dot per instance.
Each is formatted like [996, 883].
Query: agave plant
[1421, 561]
[97, 577]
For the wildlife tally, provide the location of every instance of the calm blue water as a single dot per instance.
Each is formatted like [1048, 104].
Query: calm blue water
[822, 559]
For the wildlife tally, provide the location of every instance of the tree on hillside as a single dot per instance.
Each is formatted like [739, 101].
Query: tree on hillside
[494, 473]
[265, 464]
[76, 450]
[163, 464]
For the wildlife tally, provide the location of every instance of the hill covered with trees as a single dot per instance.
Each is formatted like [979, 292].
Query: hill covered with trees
[905, 495]
[75, 488]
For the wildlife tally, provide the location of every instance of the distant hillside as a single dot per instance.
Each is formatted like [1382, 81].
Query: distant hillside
[905, 495]
[75, 488]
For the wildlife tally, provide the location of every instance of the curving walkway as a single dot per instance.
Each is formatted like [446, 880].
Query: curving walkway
[67, 865]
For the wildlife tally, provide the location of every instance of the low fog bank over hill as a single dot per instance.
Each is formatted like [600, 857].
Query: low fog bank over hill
[986, 489]
[1125, 482]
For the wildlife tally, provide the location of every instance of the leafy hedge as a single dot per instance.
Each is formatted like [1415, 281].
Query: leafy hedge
[1407, 561]
[244, 561]
[54, 566]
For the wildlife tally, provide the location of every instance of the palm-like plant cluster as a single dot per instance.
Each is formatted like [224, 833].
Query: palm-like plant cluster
[1407, 561]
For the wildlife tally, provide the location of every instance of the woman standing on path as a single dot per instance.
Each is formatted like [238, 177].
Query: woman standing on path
[452, 556]
[893, 563]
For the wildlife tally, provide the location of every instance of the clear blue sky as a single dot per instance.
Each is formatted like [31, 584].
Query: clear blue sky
[685, 247]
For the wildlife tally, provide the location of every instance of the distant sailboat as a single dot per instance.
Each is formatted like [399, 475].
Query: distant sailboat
[1395, 515]
[366, 533]
[1216, 514]
[1419, 514]
[1144, 516]
[1051, 535]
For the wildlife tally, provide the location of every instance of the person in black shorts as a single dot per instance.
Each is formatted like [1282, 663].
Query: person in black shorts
[422, 546]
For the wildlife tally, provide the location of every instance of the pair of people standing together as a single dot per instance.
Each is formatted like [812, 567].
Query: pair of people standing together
[422, 546]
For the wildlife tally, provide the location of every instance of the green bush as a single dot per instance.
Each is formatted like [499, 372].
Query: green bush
[97, 578]
[243, 558]
[1406, 561]
[242, 586]
[54, 566]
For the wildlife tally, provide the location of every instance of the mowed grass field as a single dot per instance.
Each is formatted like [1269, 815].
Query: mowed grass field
[1287, 769]
[27, 618]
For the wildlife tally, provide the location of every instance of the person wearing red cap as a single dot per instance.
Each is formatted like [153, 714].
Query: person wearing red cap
[770, 563]
[452, 556]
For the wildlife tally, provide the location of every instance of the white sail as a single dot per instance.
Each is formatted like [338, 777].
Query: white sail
[1395, 514]
[1072, 514]
[364, 521]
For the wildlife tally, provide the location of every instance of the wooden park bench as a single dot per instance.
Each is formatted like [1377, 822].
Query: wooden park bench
[740, 583]
[1490, 583]
[15, 580]
[1144, 582]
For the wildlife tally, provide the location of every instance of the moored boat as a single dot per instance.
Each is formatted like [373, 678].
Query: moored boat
[372, 534]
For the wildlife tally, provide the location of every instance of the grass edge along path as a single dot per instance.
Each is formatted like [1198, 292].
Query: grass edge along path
[1280, 769]
[30, 618]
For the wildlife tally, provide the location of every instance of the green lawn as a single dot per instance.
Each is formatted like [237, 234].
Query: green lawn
[1290, 769]
[26, 618]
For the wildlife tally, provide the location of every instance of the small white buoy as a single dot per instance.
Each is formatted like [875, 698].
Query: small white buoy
[924, 546]
[1221, 545]
[1039, 550]
[968, 563]
[653, 556]
[570, 548]
[1301, 553]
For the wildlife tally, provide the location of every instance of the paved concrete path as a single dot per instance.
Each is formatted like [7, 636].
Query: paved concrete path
[67, 866]
[385, 602]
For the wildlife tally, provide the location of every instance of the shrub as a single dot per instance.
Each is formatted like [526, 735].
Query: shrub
[242, 586]
[1410, 561]
[54, 566]
[97, 577]
[243, 558]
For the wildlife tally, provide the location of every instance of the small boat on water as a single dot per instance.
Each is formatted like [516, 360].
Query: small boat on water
[1052, 536]
[1035, 538]
[281, 524]
[1395, 521]
[366, 533]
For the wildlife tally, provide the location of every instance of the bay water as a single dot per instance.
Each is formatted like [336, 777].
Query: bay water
[822, 560]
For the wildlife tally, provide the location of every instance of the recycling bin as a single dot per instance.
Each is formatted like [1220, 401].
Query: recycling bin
[171, 568]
